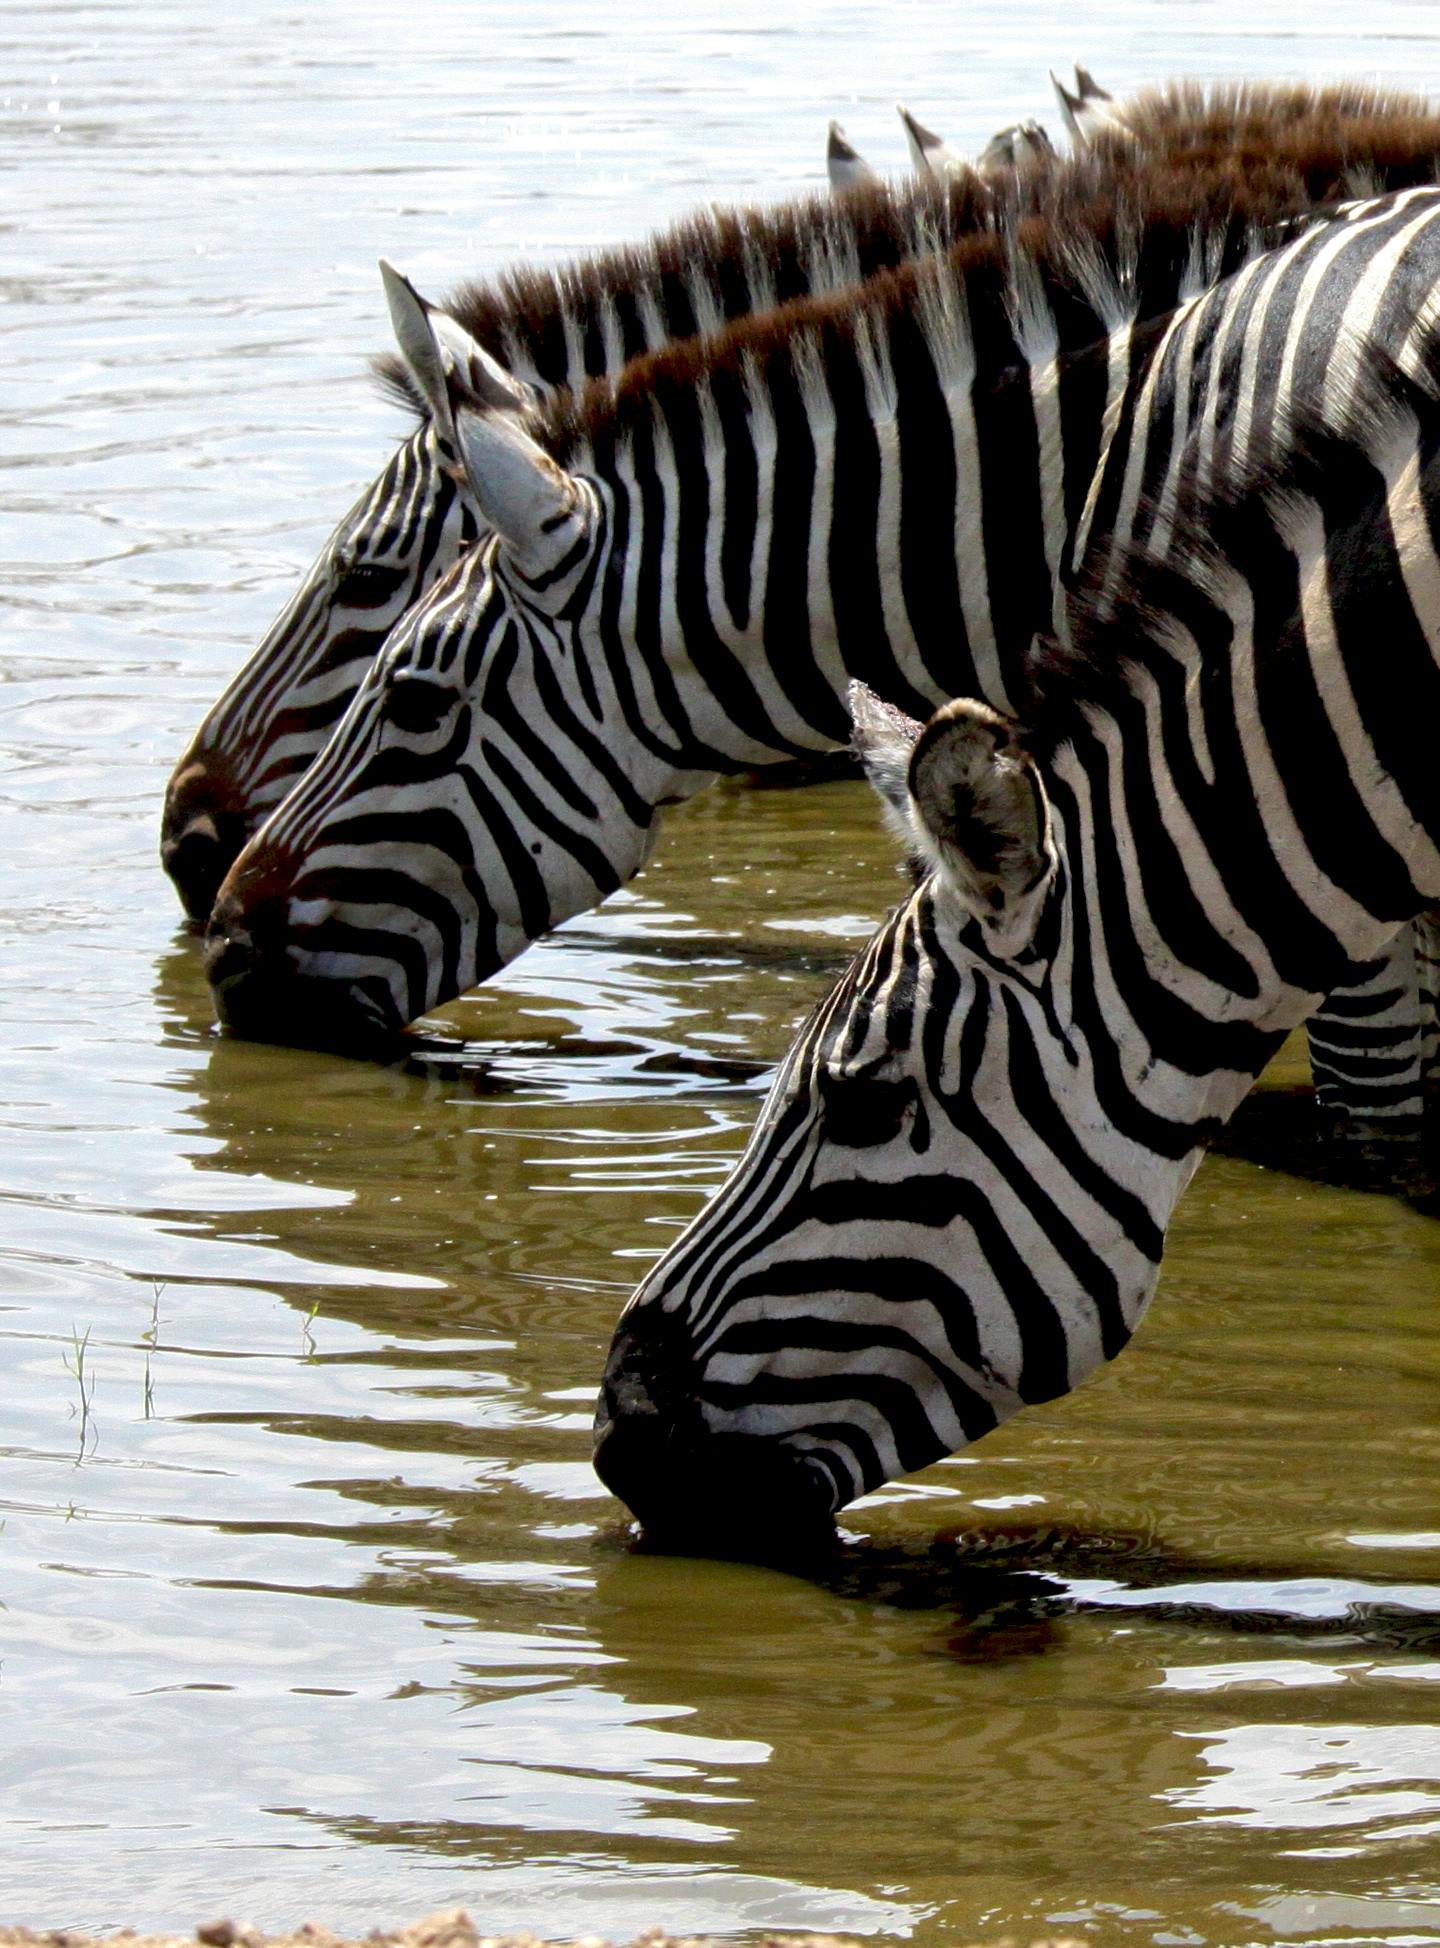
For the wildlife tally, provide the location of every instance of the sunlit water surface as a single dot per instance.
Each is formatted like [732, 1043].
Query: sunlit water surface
[311, 1603]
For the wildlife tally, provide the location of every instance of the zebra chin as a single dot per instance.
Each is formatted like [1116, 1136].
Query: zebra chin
[693, 1491]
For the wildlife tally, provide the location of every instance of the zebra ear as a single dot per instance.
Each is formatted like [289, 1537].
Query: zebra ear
[845, 167]
[447, 364]
[930, 154]
[532, 503]
[978, 805]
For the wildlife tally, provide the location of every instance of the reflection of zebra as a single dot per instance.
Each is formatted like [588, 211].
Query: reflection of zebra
[737, 533]
[553, 328]
[955, 1199]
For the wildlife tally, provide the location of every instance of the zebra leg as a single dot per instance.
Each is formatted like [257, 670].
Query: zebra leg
[1367, 1043]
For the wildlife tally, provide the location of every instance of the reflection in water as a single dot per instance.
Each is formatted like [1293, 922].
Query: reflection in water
[563, 1725]
[695, 1725]
[1322, 1779]
[379, 1576]
[1281, 1129]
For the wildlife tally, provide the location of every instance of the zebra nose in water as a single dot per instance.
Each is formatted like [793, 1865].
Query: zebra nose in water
[245, 959]
[260, 992]
[692, 1490]
[202, 831]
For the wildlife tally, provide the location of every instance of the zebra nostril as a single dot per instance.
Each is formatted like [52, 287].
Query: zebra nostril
[245, 961]
[254, 924]
[230, 959]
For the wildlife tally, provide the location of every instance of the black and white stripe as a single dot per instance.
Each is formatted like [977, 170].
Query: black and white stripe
[554, 329]
[955, 1199]
[839, 489]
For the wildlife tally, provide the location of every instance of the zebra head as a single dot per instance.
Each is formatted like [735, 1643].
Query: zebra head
[887, 1275]
[404, 532]
[481, 788]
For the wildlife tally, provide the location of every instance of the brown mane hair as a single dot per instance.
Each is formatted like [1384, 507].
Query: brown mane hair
[1127, 242]
[1243, 153]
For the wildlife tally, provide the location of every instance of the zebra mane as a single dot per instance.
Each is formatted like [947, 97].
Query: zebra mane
[994, 298]
[1148, 612]
[698, 271]
[1230, 114]
[1230, 156]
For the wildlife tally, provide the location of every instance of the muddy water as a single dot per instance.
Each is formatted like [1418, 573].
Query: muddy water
[311, 1604]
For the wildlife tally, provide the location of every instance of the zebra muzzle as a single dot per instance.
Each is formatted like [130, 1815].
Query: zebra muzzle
[260, 993]
[693, 1490]
[202, 831]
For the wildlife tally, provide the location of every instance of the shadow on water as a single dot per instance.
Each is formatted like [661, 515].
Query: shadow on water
[716, 1698]
[1006, 1591]
[1281, 1128]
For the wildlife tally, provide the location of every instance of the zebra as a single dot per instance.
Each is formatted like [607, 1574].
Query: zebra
[554, 329]
[689, 567]
[1217, 794]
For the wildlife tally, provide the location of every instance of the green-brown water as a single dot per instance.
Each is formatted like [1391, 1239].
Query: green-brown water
[311, 1602]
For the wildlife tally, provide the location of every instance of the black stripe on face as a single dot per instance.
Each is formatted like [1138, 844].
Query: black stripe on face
[526, 694]
[536, 811]
[600, 750]
[560, 571]
[408, 992]
[1036, 1106]
[893, 1397]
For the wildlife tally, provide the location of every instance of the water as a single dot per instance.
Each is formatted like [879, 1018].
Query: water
[312, 1605]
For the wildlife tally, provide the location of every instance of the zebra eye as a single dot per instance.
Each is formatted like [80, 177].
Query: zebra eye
[416, 704]
[368, 583]
[862, 1110]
